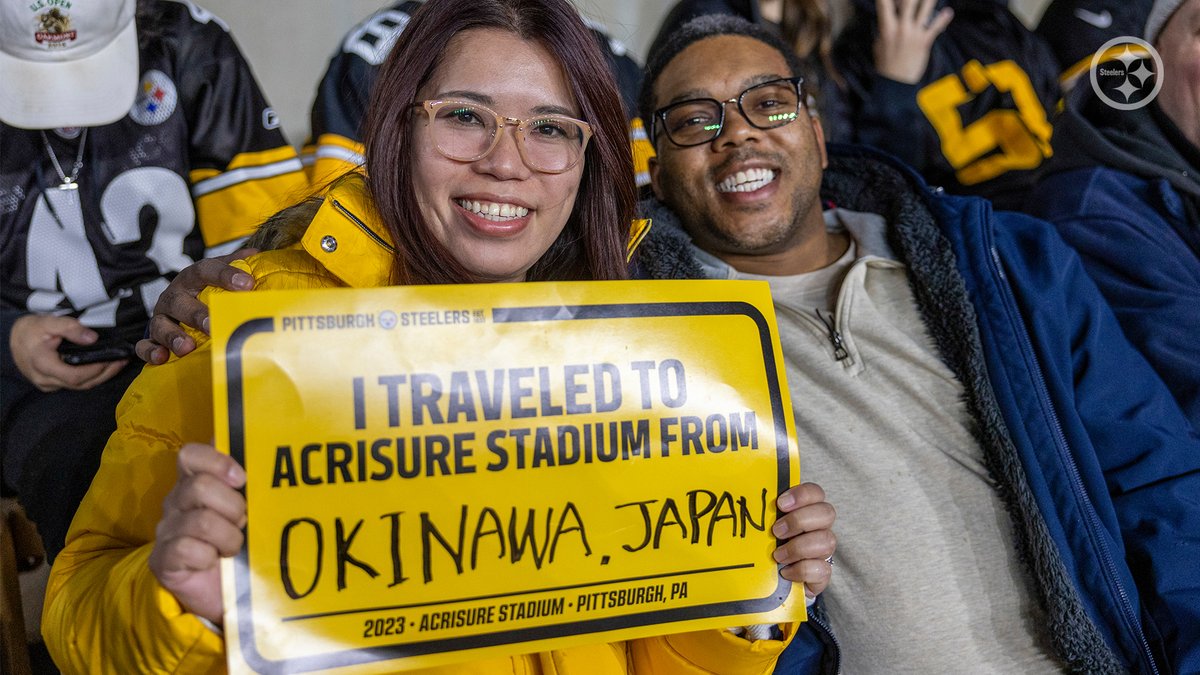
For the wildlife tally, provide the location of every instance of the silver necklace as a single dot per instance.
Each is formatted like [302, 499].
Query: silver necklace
[68, 182]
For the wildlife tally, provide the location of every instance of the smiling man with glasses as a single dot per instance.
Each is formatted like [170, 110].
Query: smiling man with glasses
[1016, 489]
[731, 161]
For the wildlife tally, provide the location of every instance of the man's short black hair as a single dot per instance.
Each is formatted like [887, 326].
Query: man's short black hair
[692, 32]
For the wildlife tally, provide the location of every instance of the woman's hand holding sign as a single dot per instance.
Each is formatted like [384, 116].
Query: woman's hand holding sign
[809, 542]
[202, 521]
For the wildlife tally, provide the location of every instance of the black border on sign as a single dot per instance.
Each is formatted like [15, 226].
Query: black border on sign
[350, 657]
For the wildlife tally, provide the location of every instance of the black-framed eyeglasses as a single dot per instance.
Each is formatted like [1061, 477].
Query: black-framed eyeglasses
[699, 120]
[467, 132]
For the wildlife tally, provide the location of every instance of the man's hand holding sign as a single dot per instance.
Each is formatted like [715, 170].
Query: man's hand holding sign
[541, 465]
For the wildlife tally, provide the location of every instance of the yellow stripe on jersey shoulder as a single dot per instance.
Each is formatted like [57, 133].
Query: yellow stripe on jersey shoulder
[333, 157]
[339, 141]
[197, 175]
[283, 158]
[237, 211]
[230, 204]
[262, 157]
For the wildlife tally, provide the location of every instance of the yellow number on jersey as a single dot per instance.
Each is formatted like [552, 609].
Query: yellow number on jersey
[1022, 136]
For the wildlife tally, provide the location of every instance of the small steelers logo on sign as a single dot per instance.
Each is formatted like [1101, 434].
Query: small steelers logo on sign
[156, 99]
[387, 319]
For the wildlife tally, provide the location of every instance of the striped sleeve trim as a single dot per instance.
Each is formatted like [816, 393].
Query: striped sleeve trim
[245, 174]
[339, 153]
[311, 153]
[308, 155]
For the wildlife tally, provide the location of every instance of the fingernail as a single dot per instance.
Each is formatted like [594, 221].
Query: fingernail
[237, 473]
[786, 501]
[205, 324]
[243, 280]
[88, 337]
[779, 555]
[779, 529]
[177, 344]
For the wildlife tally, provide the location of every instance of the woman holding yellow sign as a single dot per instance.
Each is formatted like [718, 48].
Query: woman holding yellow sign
[496, 151]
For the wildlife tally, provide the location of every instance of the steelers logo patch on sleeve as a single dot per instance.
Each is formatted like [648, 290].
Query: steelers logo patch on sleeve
[156, 99]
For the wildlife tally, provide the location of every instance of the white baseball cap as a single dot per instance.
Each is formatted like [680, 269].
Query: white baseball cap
[67, 63]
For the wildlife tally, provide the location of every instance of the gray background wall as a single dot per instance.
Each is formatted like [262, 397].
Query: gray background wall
[289, 42]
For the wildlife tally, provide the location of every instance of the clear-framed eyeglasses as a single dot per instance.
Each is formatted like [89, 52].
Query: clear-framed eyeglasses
[466, 132]
[699, 120]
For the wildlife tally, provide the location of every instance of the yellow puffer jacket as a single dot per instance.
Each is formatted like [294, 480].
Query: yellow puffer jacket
[105, 611]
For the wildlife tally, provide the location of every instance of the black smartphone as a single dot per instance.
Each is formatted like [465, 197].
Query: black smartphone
[107, 348]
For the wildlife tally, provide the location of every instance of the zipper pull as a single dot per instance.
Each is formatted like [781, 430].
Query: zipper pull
[839, 346]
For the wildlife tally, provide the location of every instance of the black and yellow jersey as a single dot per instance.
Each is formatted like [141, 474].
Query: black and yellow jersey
[335, 144]
[979, 121]
[1077, 29]
[194, 166]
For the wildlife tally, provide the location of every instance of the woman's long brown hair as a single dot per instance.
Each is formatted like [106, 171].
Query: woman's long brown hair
[592, 245]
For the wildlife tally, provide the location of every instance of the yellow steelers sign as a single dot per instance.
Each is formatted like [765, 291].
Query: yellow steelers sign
[442, 474]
